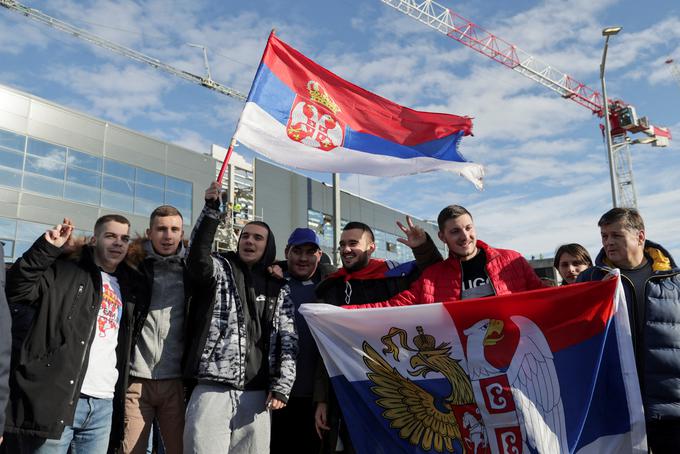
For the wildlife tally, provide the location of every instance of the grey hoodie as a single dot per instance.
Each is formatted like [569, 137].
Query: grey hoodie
[160, 346]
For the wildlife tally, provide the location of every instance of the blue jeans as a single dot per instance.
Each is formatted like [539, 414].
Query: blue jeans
[89, 433]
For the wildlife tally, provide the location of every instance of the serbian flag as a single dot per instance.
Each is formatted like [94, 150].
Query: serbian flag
[302, 115]
[547, 371]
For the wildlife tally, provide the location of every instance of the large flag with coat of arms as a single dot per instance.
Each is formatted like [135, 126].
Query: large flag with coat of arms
[302, 115]
[547, 371]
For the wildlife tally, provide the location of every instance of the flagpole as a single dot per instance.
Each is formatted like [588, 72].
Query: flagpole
[226, 160]
[336, 219]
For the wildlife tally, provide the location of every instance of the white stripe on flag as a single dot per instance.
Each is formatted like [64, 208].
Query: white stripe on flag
[262, 133]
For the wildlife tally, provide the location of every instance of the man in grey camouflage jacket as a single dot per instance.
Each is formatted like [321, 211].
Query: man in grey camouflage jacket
[244, 342]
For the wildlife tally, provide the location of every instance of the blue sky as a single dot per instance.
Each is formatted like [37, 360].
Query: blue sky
[547, 178]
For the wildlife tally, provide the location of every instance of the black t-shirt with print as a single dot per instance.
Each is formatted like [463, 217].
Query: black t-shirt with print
[475, 280]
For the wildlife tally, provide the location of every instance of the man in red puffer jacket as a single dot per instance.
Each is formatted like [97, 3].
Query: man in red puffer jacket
[473, 269]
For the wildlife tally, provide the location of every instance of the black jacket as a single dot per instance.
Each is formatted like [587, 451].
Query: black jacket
[333, 291]
[5, 342]
[49, 367]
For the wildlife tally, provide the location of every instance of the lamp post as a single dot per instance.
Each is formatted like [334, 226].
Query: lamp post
[607, 32]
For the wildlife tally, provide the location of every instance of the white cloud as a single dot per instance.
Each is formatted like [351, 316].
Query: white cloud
[116, 93]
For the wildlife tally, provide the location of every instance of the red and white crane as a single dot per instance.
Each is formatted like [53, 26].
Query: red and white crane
[623, 116]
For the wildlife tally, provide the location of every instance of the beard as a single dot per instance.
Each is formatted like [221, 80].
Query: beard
[361, 262]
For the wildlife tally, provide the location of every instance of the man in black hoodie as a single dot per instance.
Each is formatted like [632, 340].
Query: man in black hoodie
[244, 342]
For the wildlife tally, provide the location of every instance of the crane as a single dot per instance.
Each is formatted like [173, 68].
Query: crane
[39, 16]
[226, 234]
[623, 116]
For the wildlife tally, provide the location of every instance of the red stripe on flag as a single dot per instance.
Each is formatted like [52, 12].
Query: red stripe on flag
[362, 110]
[566, 315]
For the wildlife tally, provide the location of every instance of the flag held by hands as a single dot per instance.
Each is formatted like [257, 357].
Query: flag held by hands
[302, 115]
[548, 371]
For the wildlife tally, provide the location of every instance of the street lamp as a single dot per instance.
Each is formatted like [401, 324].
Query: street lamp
[607, 32]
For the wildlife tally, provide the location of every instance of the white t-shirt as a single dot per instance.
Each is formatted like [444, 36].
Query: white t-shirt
[101, 374]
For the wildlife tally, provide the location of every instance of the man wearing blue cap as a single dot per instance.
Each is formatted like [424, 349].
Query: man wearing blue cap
[303, 271]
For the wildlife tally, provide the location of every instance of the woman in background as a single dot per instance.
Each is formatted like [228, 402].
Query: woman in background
[570, 260]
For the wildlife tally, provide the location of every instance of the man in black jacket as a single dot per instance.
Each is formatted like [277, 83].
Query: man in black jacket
[363, 280]
[69, 377]
[303, 271]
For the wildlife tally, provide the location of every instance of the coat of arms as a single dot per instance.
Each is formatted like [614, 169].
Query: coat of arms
[488, 407]
[313, 120]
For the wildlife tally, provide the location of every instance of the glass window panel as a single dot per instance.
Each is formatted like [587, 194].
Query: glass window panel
[46, 186]
[11, 159]
[84, 160]
[177, 185]
[11, 140]
[10, 178]
[8, 228]
[21, 246]
[46, 150]
[84, 177]
[147, 198]
[120, 186]
[80, 193]
[179, 201]
[30, 231]
[150, 178]
[379, 240]
[118, 169]
[45, 166]
[117, 201]
[9, 248]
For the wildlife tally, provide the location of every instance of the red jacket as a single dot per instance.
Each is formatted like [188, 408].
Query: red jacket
[508, 271]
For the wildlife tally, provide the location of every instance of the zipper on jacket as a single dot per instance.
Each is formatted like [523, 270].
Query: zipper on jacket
[79, 294]
[90, 338]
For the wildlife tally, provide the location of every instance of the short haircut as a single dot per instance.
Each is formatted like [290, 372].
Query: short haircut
[162, 212]
[108, 218]
[629, 217]
[451, 212]
[575, 250]
[360, 226]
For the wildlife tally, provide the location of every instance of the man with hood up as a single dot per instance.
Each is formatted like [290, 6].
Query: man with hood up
[243, 339]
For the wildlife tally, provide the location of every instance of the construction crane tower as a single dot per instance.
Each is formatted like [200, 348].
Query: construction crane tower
[623, 116]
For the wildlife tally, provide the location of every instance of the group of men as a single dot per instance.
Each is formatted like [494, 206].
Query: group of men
[115, 334]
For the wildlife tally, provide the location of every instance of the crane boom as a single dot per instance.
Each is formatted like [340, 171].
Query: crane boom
[623, 117]
[39, 16]
[472, 35]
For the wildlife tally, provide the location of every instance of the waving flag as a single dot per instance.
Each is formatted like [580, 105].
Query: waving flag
[548, 371]
[302, 115]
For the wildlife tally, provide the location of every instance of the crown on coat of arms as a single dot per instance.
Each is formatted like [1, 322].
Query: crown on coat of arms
[319, 95]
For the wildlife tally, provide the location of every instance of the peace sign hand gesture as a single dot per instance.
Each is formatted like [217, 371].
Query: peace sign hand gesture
[415, 236]
[60, 233]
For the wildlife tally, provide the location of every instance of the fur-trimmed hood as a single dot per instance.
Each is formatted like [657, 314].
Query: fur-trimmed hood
[137, 251]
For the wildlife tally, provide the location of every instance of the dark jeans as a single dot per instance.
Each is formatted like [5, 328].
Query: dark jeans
[663, 436]
[293, 428]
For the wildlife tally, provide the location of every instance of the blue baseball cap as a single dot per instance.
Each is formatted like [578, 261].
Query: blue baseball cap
[303, 236]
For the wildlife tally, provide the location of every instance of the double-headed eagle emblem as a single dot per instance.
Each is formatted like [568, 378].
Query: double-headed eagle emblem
[420, 417]
[511, 407]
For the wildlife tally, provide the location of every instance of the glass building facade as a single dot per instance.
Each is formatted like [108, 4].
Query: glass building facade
[51, 170]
